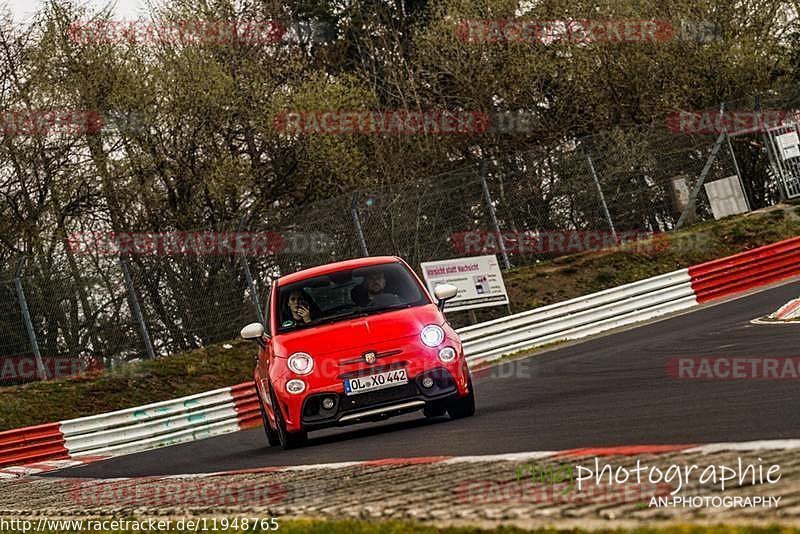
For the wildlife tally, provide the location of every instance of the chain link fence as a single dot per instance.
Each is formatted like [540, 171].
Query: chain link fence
[94, 307]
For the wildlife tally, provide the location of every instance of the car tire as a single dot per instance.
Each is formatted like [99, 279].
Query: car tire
[434, 409]
[287, 440]
[463, 406]
[272, 435]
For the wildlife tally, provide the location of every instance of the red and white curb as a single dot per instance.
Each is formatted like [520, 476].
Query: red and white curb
[789, 313]
[622, 450]
[44, 467]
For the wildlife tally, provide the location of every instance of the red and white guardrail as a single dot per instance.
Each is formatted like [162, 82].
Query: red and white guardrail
[134, 429]
[632, 303]
[234, 408]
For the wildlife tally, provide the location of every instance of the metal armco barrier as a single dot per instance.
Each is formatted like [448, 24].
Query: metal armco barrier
[580, 317]
[135, 429]
[234, 408]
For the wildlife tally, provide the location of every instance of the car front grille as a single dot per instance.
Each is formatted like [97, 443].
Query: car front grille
[373, 398]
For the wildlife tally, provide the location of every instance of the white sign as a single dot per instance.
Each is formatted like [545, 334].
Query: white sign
[789, 145]
[682, 192]
[478, 279]
[726, 197]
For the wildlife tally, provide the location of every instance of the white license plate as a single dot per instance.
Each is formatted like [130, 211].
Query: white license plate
[387, 379]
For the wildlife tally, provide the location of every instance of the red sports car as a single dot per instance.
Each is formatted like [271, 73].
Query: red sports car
[355, 341]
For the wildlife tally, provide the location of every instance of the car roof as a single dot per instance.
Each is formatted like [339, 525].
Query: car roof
[333, 267]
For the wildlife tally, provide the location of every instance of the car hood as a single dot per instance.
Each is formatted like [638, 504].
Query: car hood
[357, 332]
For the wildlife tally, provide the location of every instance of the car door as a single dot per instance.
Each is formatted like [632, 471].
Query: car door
[265, 357]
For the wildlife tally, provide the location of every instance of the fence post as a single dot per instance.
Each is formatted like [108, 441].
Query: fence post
[357, 223]
[776, 171]
[133, 302]
[774, 161]
[26, 317]
[251, 284]
[248, 276]
[493, 215]
[733, 155]
[600, 193]
[737, 169]
[696, 190]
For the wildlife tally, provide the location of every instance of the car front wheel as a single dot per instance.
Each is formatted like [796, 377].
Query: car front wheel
[434, 409]
[288, 440]
[463, 406]
[272, 435]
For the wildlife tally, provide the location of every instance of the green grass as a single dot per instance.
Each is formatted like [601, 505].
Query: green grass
[136, 384]
[531, 286]
[402, 527]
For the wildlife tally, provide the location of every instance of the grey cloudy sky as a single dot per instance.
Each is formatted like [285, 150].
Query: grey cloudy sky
[124, 9]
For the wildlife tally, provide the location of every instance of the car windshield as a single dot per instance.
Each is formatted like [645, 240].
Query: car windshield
[346, 294]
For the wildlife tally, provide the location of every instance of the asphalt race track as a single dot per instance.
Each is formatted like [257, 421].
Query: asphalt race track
[606, 391]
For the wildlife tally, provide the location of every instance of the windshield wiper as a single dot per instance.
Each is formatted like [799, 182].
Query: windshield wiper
[362, 312]
[389, 308]
[331, 318]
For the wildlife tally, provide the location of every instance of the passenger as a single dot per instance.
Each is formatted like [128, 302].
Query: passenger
[297, 310]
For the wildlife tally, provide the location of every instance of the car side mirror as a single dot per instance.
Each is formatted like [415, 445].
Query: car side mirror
[254, 331]
[443, 293]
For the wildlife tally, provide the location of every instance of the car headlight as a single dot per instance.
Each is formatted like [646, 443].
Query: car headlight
[432, 335]
[447, 354]
[301, 363]
[295, 386]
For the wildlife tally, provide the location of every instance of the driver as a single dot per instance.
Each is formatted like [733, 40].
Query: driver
[375, 283]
